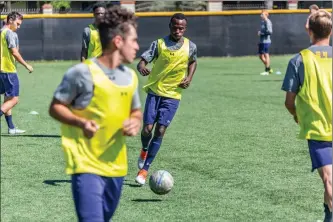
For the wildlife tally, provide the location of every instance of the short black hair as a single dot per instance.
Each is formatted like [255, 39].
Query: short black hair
[14, 15]
[98, 5]
[117, 21]
[178, 16]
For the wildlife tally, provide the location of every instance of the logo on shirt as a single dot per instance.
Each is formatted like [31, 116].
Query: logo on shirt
[172, 53]
[123, 93]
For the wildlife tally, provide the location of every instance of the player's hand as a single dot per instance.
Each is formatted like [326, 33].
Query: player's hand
[89, 128]
[144, 71]
[185, 83]
[29, 68]
[131, 126]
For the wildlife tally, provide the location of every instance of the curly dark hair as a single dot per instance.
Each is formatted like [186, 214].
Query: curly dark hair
[14, 16]
[117, 21]
[98, 5]
[178, 16]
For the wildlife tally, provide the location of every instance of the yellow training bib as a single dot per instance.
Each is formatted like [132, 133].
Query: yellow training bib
[169, 69]
[314, 100]
[95, 47]
[8, 62]
[105, 154]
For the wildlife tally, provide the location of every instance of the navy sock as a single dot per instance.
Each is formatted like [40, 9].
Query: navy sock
[154, 146]
[145, 141]
[10, 122]
[328, 214]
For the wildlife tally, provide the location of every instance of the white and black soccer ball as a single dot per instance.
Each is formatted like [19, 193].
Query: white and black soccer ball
[161, 182]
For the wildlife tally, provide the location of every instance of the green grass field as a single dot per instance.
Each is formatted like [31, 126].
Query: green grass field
[232, 150]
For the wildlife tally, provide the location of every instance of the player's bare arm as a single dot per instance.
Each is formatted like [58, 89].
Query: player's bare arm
[62, 113]
[188, 79]
[133, 124]
[290, 104]
[19, 58]
[141, 67]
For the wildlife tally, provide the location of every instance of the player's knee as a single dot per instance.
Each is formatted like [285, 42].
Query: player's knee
[15, 100]
[147, 130]
[160, 131]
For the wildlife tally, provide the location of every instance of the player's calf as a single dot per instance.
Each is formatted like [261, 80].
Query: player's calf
[9, 103]
[326, 176]
[146, 136]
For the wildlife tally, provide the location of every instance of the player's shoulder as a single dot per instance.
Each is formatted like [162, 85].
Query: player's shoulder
[192, 44]
[10, 32]
[86, 30]
[321, 48]
[296, 60]
[77, 72]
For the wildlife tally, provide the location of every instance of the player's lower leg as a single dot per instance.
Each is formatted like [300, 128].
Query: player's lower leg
[9, 103]
[264, 61]
[153, 149]
[262, 58]
[326, 176]
[154, 146]
[9, 121]
[268, 64]
[146, 136]
[6, 108]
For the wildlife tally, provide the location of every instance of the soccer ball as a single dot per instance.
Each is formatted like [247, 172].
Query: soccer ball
[161, 182]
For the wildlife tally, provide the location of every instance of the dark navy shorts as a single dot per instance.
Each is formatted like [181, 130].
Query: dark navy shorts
[9, 84]
[263, 48]
[320, 153]
[95, 197]
[159, 110]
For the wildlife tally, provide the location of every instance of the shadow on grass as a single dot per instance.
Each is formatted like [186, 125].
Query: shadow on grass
[126, 183]
[31, 135]
[56, 182]
[146, 200]
[268, 80]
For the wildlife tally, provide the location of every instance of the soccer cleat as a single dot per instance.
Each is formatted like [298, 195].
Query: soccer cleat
[141, 177]
[15, 131]
[264, 73]
[142, 158]
[270, 71]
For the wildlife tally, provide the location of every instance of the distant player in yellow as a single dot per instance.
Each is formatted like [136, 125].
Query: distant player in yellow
[98, 105]
[91, 45]
[174, 60]
[308, 83]
[9, 81]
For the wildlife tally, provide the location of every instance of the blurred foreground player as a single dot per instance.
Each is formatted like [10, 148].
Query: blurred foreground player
[98, 105]
[308, 82]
